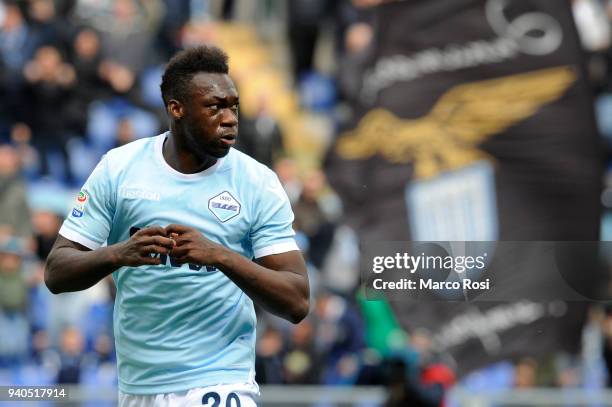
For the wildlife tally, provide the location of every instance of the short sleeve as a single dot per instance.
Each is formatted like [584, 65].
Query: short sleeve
[272, 231]
[90, 218]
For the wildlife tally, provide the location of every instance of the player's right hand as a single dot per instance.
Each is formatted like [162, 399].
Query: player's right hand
[139, 248]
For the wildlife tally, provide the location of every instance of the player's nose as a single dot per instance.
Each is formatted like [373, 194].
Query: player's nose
[229, 118]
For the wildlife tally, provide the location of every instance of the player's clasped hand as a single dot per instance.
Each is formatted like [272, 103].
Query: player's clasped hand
[139, 248]
[191, 246]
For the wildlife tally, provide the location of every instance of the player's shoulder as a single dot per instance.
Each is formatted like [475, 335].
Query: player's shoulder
[256, 180]
[249, 169]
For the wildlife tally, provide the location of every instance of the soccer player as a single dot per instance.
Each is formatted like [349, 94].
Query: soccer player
[182, 215]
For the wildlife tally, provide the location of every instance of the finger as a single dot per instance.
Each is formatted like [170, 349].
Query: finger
[155, 249]
[146, 259]
[155, 261]
[178, 229]
[179, 251]
[157, 240]
[181, 241]
[164, 241]
[152, 231]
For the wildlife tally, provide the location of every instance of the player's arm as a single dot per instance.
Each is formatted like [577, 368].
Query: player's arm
[278, 282]
[73, 267]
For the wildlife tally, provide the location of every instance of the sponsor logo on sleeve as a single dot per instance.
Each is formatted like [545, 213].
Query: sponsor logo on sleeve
[79, 206]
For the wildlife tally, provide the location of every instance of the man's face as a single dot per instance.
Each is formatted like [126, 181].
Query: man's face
[210, 115]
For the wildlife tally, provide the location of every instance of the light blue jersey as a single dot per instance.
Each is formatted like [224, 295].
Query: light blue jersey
[181, 327]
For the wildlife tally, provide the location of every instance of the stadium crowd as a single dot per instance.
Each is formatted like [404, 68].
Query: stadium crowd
[78, 77]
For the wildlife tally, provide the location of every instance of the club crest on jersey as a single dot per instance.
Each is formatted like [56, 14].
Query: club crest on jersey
[224, 206]
[79, 205]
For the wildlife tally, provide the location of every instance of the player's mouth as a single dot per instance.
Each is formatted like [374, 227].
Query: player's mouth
[228, 139]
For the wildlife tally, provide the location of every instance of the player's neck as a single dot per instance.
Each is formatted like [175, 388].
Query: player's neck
[182, 159]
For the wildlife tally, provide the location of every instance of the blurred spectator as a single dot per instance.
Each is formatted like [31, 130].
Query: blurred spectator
[288, 175]
[409, 390]
[357, 40]
[340, 271]
[568, 374]
[525, 373]
[123, 22]
[125, 133]
[340, 337]
[593, 365]
[71, 356]
[46, 226]
[261, 137]
[120, 77]
[14, 212]
[607, 342]
[314, 218]
[17, 40]
[21, 138]
[42, 353]
[169, 36]
[301, 366]
[54, 29]
[103, 349]
[358, 37]
[227, 9]
[87, 61]
[17, 45]
[268, 357]
[13, 285]
[305, 18]
[50, 81]
[13, 303]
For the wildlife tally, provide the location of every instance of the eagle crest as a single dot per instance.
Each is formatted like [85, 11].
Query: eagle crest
[466, 115]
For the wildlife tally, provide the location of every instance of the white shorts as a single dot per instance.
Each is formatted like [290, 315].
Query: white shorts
[226, 395]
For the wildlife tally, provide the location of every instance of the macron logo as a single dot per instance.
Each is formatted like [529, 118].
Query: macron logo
[138, 193]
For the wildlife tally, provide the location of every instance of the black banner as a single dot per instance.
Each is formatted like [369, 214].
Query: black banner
[472, 120]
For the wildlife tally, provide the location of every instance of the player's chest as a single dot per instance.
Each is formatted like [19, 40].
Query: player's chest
[217, 210]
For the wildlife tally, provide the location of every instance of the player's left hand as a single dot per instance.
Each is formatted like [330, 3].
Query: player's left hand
[192, 246]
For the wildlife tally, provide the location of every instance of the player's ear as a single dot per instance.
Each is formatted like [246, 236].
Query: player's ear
[175, 109]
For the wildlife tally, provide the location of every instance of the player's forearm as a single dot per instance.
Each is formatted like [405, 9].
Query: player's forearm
[73, 267]
[69, 269]
[281, 292]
